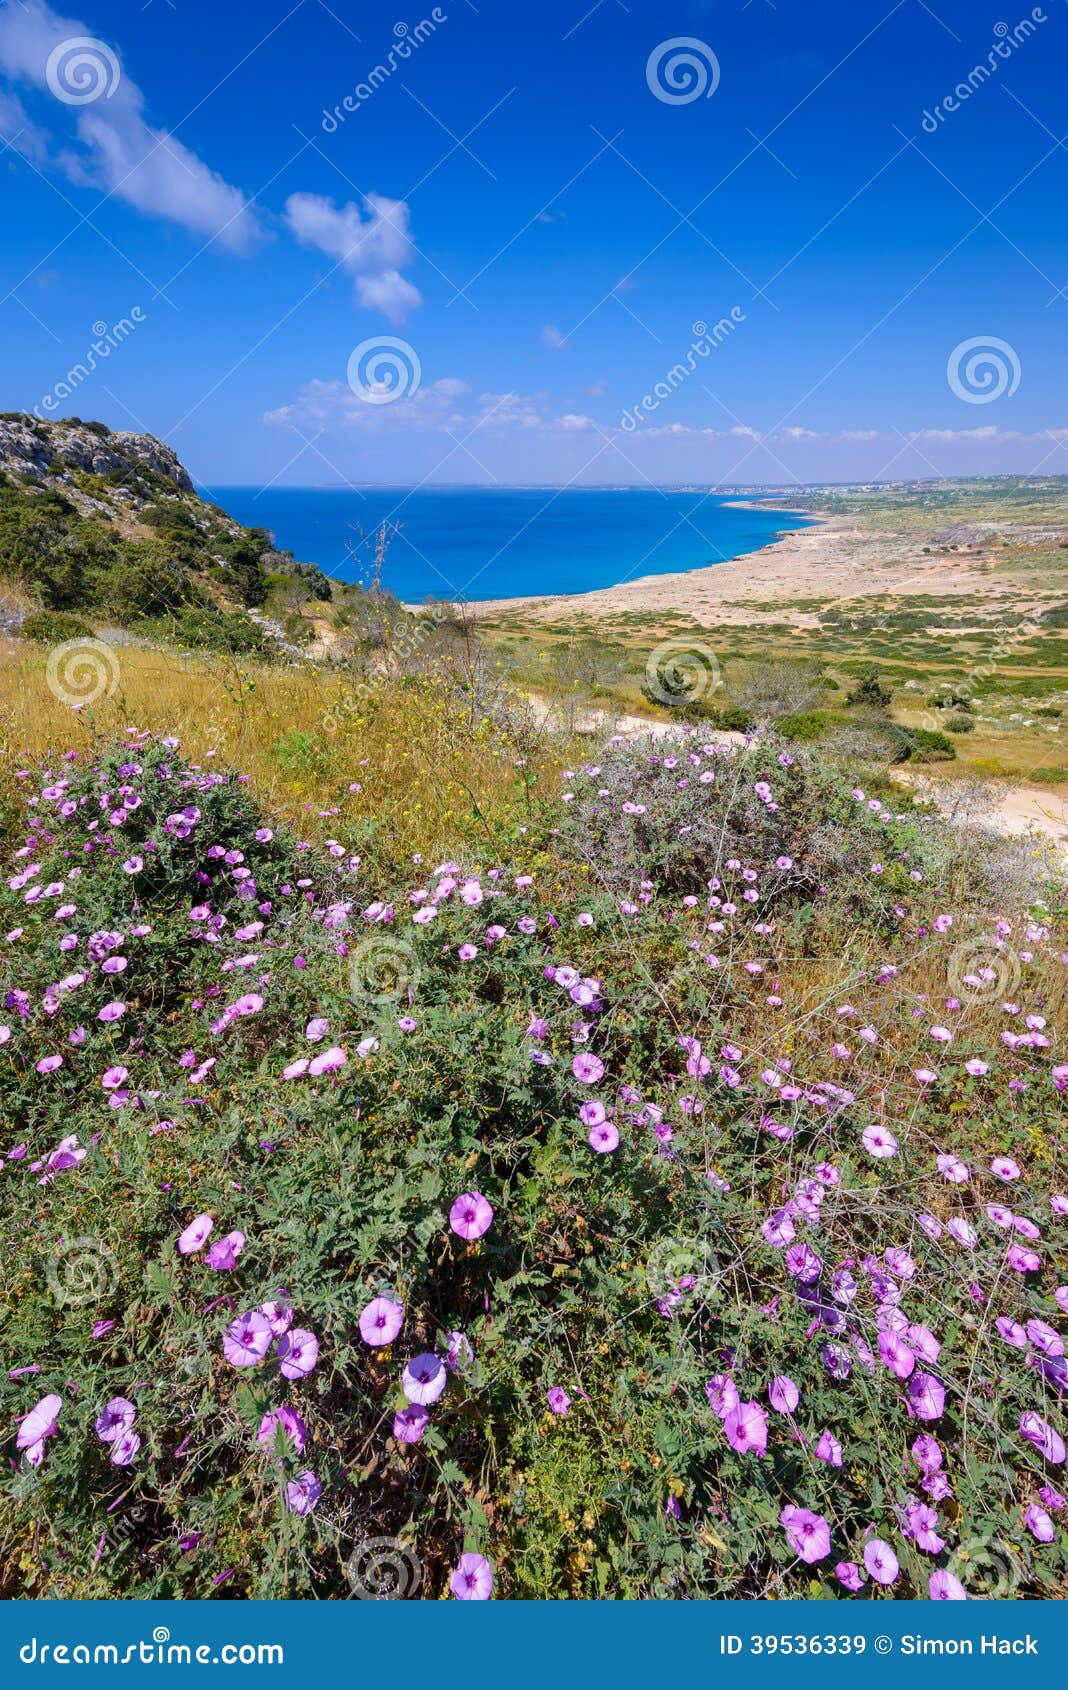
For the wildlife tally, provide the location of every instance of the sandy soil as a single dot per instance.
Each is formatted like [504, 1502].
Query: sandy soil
[1018, 812]
[833, 562]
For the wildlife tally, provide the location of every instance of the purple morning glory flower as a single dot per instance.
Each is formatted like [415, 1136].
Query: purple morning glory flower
[247, 1339]
[473, 1579]
[471, 1215]
[423, 1380]
[115, 1418]
[381, 1321]
[298, 1352]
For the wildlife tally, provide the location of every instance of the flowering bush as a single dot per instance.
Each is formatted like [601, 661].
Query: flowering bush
[681, 1218]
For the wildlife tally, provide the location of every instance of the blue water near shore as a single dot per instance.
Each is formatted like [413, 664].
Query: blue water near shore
[504, 542]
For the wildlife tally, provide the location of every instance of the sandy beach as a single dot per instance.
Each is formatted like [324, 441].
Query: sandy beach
[832, 562]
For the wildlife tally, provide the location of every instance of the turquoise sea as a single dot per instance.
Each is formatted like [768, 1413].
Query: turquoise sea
[504, 542]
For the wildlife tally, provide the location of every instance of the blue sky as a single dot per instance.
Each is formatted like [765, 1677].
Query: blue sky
[540, 203]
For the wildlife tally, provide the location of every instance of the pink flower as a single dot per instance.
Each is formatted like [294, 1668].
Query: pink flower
[470, 1215]
[880, 1561]
[829, 1449]
[195, 1235]
[1004, 1168]
[802, 1263]
[410, 1423]
[303, 1492]
[926, 1453]
[922, 1528]
[381, 1321]
[809, 1534]
[1048, 1442]
[604, 1137]
[327, 1062]
[722, 1394]
[927, 1397]
[247, 1339]
[849, 1575]
[280, 1316]
[1021, 1260]
[473, 1579]
[896, 1355]
[423, 1380]
[879, 1142]
[953, 1169]
[224, 1252]
[783, 1394]
[289, 1423]
[587, 1068]
[115, 1418]
[1039, 1524]
[558, 1399]
[40, 1423]
[298, 1352]
[124, 1449]
[945, 1586]
[746, 1427]
[963, 1232]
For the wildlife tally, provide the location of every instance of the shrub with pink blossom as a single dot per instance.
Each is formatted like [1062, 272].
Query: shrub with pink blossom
[667, 1251]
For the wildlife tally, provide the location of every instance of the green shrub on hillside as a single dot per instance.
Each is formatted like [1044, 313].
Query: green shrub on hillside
[54, 627]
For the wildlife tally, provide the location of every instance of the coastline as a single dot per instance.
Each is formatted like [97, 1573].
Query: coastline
[708, 588]
[790, 582]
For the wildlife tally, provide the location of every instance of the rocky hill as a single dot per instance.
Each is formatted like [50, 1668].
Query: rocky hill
[101, 524]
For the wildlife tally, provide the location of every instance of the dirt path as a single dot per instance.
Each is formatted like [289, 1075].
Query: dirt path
[1016, 813]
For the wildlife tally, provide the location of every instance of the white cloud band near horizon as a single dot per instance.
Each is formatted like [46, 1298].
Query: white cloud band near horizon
[446, 405]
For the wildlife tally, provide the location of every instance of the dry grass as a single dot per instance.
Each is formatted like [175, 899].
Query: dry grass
[427, 776]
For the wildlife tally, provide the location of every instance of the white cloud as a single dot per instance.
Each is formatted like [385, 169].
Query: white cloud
[372, 248]
[20, 134]
[551, 336]
[442, 406]
[987, 433]
[119, 150]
